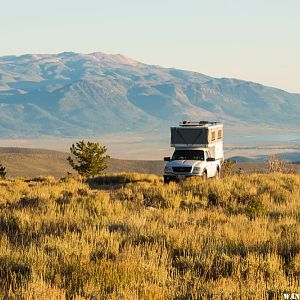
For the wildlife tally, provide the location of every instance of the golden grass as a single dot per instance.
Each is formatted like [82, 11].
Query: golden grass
[129, 236]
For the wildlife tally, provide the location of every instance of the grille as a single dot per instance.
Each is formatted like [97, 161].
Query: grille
[182, 169]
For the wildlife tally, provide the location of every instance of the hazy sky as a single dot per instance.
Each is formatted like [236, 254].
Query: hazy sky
[257, 40]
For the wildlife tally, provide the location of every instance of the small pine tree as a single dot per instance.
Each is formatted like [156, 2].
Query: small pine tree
[90, 158]
[2, 171]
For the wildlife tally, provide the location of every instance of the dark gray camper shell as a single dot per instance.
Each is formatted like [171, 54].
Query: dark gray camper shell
[196, 134]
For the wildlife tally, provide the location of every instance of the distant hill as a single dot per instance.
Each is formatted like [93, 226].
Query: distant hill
[71, 94]
[291, 157]
[39, 162]
[28, 162]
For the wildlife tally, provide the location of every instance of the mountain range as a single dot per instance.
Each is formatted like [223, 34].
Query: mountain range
[70, 94]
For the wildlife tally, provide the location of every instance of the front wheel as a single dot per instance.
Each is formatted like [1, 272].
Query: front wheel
[166, 180]
[204, 176]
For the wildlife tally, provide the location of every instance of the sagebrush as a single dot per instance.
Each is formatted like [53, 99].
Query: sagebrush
[129, 236]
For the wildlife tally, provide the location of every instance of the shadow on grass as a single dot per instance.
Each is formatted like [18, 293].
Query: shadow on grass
[116, 181]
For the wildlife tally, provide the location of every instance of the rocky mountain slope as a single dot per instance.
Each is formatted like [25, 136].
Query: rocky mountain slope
[71, 94]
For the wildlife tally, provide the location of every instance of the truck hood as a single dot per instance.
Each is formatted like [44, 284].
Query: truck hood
[184, 163]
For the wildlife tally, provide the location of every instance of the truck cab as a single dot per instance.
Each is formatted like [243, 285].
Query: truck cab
[198, 151]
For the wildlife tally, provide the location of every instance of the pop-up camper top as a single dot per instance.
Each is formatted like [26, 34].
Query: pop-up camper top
[196, 135]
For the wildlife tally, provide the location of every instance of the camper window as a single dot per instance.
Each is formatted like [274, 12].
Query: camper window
[219, 134]
[213, 136]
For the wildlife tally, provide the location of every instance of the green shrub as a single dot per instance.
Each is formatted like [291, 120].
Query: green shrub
[89, 159]
[255, 207]
[2, 171]
[227, 167]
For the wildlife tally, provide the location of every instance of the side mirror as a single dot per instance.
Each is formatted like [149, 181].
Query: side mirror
[210, 159]
[167, 158]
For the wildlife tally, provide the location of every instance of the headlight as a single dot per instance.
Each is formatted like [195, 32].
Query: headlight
[197, 170]
[168, 169]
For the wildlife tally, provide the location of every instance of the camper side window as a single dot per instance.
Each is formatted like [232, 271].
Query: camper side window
[213, 136]
[219, 134]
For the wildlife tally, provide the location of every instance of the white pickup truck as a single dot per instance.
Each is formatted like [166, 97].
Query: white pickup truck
[198, 151]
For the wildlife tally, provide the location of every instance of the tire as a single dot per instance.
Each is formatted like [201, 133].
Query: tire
[166, 180]
[204, 176]
[218, 173]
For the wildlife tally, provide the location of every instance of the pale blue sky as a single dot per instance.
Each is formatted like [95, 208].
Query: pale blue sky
[257, 40]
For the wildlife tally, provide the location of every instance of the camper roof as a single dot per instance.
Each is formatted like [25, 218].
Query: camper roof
[196, 134]
[198, 124]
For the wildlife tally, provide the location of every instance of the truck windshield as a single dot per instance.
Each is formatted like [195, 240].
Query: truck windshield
[188, 155]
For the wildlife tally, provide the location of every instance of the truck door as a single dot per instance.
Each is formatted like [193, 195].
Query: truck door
[209, 165]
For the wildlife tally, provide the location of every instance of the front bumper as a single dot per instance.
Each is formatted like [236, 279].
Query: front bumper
[177, 177]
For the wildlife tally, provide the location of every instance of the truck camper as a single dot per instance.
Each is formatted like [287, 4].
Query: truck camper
[198, 150]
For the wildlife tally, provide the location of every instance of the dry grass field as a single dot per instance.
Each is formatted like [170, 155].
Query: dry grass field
[129, 236]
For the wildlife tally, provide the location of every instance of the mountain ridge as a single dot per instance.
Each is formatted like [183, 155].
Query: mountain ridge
[73, 94]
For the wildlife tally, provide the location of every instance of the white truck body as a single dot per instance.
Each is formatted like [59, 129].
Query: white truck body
[198, 150]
